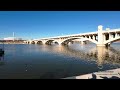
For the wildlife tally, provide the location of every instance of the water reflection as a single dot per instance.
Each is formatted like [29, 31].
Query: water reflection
[57, 61]
[101, 55]
[1, 59]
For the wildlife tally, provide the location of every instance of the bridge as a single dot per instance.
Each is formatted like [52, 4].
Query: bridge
[100, 38]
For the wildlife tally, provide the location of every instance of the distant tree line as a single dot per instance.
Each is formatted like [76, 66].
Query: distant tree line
[12, 40]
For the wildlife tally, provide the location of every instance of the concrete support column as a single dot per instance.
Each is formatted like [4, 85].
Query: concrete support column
[35, 42]
[30, 42]
[85, 36]
[110, 36]
[82, 43]
[60, 41]
[43, 42]
[93, 37]
[116, 35]
[96, 37]
[104, 37]
[89, 37]
[100, 36]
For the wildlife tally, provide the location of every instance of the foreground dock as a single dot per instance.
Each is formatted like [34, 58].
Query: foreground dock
[108, 74]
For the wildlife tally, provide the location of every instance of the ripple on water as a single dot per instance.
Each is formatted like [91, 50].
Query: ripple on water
[57, 61]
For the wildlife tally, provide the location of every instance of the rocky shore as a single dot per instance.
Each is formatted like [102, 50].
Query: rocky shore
[108, 74]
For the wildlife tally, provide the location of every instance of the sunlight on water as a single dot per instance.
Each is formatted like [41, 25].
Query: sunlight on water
[56, 61]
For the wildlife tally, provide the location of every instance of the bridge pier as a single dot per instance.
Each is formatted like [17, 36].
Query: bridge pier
[43, 42]
[30, 42]
[101, 53]
[83, 42]
[35, 42]
[101, 37]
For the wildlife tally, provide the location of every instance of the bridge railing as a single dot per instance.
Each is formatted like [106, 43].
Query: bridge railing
[65, 36]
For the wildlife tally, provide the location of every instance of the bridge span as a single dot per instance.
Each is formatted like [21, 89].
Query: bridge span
[100, 38]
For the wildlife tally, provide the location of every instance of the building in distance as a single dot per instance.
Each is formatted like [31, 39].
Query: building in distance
[12, 38]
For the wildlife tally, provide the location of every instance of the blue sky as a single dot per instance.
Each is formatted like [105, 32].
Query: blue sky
[41, 24]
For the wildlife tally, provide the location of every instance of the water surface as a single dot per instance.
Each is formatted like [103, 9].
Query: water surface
[29, 61]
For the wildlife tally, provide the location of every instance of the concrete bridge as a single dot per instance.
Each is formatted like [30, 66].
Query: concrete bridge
[100, 38]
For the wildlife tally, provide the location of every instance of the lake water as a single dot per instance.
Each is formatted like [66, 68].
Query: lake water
[29, 61]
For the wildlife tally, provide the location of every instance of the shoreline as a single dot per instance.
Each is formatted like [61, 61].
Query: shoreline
[107, 74]
[13, 43]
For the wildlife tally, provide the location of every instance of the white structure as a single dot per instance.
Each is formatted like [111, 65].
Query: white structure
[100, 37]
[12, 38]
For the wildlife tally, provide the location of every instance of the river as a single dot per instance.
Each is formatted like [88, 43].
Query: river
[29, 61]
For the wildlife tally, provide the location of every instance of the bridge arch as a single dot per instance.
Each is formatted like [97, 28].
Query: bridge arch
[49, 42]
[32, 42]
[112, 40]
[66, 41]
[27, 42]
[39, 42]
